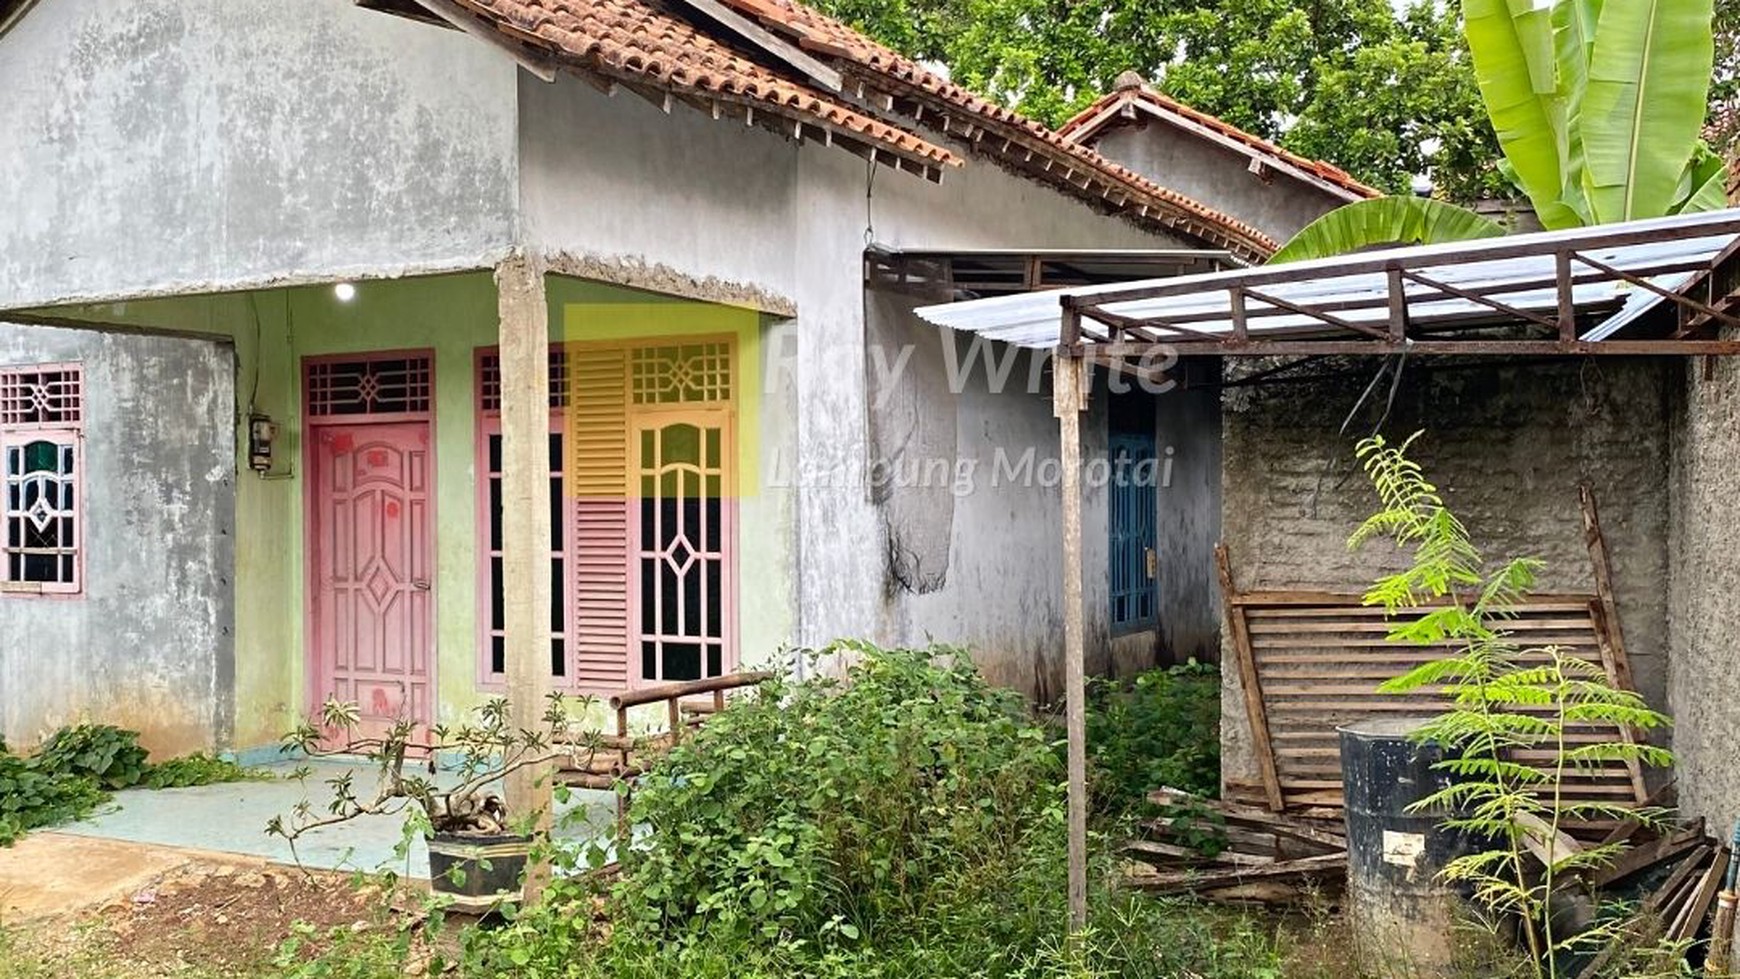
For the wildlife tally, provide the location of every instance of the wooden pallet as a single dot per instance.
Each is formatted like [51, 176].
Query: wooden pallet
[1310, 662]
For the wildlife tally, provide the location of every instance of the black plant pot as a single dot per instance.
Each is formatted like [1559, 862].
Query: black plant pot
[469, 865]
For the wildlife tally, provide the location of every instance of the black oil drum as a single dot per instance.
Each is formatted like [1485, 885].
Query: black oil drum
[1402, 912]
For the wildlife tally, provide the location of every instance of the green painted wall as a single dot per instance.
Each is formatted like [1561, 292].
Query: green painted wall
[273, 330]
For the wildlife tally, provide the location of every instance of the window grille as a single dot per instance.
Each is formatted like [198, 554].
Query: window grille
[1134, 506]
[489, 380]
[41, 396]
[41, 429]
[388, 385]
[690, 373]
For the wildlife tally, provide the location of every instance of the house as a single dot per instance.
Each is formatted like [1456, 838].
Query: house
[1245, 175]
[381, 350]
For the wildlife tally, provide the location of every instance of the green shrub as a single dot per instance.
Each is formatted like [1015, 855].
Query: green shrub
[850, 803]
[906, 822]
[31, 798]
[107, 754]
[1161, 730]
[200, 769]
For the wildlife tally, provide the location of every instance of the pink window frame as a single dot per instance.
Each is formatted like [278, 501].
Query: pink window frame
[310, 574]
[489, 423]
[67, 433]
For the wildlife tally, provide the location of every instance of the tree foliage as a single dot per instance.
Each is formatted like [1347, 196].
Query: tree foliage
[1598, 109]
[1383, 96]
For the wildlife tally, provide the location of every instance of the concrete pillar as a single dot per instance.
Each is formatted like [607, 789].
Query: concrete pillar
[525, 428]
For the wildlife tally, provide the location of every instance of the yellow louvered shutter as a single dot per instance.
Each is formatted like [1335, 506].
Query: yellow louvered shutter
[597, 466]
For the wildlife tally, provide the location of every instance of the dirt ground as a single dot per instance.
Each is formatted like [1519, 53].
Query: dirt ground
[200, 921]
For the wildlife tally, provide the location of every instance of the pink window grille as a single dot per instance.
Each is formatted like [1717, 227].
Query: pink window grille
[41, 467]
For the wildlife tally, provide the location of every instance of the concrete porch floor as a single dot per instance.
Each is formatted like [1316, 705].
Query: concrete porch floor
[231, 819]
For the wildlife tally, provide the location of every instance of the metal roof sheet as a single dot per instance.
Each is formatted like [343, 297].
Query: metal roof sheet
[1034, 320]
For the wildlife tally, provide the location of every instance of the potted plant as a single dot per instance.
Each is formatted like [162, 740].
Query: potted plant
[450, 796]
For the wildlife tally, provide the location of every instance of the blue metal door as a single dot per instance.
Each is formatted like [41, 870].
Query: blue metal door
[1133, 504]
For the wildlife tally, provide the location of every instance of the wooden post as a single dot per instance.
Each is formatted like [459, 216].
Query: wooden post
[525, 465]
[1607, 629]
[1068, 402]
[1249, 682]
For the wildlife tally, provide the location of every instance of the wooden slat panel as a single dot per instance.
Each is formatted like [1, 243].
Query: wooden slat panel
[1319, 663]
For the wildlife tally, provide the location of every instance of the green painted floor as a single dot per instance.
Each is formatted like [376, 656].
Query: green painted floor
[232, 818]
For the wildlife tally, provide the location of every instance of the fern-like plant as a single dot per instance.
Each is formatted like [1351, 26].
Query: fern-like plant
[1506, 701]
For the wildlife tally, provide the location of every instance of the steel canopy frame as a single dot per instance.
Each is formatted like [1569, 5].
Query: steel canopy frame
[1559, 290]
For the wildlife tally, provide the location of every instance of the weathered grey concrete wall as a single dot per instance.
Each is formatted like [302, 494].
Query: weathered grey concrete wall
[1704, 578]
[673, 201]
[160, 144]
[1217, 176]
[148, 644]
[1003, 591]
[1508, 446]
[1188, 432]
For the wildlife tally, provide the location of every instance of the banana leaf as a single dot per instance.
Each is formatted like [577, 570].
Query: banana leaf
[1385, 221]
[1704, 185]
[1513, 51]
[1644, 104]
[1573, 38]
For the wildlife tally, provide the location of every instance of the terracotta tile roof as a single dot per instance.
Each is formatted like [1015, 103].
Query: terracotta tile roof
[1016, 139]
[1095, 117]
[630, 41]
[644, 43]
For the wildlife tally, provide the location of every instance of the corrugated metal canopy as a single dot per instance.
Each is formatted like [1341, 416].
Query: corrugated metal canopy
[1446, 288]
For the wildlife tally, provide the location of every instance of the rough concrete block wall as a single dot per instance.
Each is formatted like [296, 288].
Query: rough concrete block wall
[148, 644]
[1704, 614]
[1507, 445]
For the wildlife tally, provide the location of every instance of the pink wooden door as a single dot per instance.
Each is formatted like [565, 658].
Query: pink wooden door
[373, 621]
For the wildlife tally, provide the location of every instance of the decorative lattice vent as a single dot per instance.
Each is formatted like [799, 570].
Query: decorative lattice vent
[388, 385]
[41, 397]
[690, 373]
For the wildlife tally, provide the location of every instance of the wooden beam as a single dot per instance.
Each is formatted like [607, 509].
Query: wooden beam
[1068, 403]
[1250, 685]
[525, 430]
[1473, 297]
[1494, 250]
[1648, 286]
[458, 16]
[777, 47]
[1316, 313]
